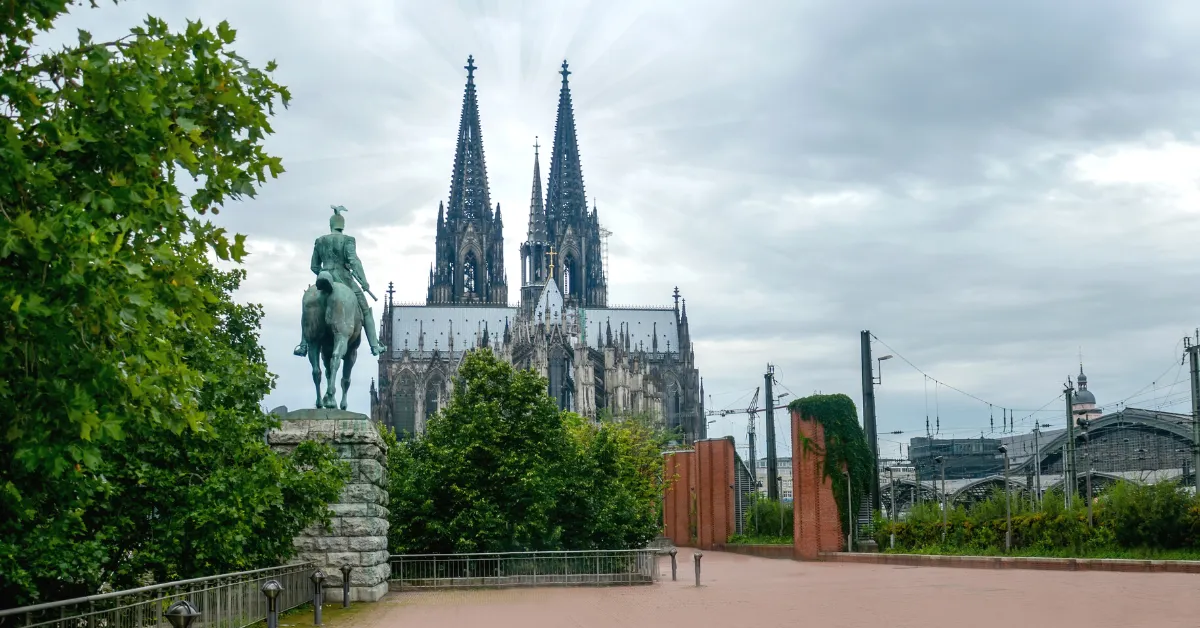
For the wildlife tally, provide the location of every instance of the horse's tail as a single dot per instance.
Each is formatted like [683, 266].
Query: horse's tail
[312, 319]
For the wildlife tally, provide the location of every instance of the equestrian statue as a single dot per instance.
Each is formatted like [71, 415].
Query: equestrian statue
[335, 311]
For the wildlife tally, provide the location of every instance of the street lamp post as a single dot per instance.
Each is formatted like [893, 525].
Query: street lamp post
[849, 514]
[892, 510]
[940, 461]
[1007, 503]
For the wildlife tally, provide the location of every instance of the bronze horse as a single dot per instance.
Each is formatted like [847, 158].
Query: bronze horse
[332, 324]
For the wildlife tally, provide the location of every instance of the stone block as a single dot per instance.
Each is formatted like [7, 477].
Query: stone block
[362, 526]
[362, 493]
[358, 559]
[367, 543]
[369, 471]
[307, 543]
[359, 510]
[370, 575]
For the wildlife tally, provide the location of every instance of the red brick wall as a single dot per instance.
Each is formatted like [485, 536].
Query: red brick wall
[677, 497]
[816, 525]
[715, 487]
[704, 477]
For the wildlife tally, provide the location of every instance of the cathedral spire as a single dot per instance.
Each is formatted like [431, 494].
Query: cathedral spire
[537, 208]
[565, 196]
[469, 196]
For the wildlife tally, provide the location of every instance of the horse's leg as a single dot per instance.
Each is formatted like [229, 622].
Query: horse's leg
[314, 358]
[327, 357]
[347, 366]
[335, 362]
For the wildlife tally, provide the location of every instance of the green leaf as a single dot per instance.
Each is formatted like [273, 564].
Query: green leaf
[226, 33]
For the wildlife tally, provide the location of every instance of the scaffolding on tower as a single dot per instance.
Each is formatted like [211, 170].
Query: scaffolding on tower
[604, 233]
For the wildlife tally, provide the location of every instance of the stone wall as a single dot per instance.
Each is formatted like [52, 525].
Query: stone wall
[357, 535]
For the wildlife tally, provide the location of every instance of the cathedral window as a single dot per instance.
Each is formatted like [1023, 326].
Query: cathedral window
[470, 268]
[569, 277]
[431, 397]
[404, 412]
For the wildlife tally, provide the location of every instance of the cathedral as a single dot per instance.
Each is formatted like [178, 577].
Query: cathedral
[598, 360]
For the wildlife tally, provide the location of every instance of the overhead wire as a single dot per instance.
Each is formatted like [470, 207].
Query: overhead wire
[1010, 422]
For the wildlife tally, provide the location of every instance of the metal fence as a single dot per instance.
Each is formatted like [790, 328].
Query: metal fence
[232, 600]
[529, 569]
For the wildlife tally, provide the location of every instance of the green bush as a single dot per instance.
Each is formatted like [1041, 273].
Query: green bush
[1126, 518]
[1149, 515]
[767, 518]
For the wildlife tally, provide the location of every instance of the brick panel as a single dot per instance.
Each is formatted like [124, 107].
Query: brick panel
[699, 492]
[816, 525]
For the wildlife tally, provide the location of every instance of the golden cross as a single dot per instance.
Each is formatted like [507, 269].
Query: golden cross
[551, 255]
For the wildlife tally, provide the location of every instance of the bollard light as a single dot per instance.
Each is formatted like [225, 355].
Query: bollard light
[271, 589]
[317, 578]
[181, 614]
[696, 558]
[673, 552]
[346, 569]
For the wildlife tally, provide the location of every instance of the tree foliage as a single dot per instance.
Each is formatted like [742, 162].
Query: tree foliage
[502, 469]
[131, 440]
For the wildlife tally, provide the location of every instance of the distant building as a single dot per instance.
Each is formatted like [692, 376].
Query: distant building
[784, 465]
[963, 457]
[1083, 405]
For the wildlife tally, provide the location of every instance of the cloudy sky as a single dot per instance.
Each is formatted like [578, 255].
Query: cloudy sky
[989, 187]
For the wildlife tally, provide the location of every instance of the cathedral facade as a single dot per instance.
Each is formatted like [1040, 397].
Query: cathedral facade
[597, 359]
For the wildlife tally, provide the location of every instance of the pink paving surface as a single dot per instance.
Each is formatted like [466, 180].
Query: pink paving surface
[749, 591]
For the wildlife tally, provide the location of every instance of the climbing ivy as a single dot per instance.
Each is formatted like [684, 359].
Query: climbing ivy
[845, 446]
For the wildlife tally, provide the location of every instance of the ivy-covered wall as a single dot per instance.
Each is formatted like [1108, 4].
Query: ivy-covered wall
[845, 447]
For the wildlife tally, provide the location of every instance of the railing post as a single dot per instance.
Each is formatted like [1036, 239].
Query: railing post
[317, 577]
[674, 567]
[346, 569]
[696, 558]
[272, 589]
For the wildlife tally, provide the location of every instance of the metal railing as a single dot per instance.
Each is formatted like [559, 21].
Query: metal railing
[233, 600]
[527, 569]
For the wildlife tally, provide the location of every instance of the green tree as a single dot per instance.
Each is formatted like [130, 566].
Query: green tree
[615, 484]
[501, 468]
[112, 321]
[489, 469]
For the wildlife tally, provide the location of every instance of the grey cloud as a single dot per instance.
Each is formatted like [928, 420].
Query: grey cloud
[802, 170]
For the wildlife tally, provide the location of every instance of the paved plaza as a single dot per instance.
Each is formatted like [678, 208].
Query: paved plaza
[748, 591]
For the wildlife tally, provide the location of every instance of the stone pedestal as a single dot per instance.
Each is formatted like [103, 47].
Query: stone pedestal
[357, 535]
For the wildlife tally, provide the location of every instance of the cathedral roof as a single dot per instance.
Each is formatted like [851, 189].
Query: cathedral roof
[440, 323]
[640, 324]
[549, 306]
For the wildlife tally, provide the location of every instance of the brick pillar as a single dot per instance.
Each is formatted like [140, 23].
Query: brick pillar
[714, 486]
[678, 492]
[358, 531]
[816, 525]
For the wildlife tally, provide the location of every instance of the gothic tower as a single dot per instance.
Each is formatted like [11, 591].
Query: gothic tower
[571, 229]
[535, 249]
[469, 255]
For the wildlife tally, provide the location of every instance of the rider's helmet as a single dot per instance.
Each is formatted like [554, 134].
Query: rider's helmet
[337, 221]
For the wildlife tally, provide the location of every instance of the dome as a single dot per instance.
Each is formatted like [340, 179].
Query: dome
[1082, 380]
[1084, 395]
